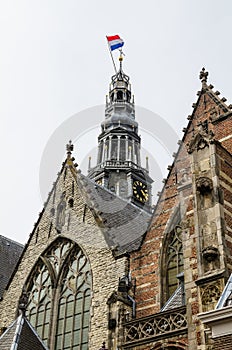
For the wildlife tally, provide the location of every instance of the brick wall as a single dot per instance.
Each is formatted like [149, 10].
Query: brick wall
[147, 263]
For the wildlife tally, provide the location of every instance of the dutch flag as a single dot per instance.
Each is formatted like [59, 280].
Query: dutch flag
[115, 42]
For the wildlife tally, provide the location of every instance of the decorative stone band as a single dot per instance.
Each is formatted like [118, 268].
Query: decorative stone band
[151, 328]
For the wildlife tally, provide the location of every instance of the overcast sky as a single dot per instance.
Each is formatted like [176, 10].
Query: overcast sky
[54, 64]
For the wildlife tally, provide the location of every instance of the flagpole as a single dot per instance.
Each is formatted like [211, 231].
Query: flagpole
[111, 56]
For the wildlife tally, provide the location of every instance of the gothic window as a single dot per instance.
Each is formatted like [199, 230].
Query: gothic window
[59, 292]
[173, 262]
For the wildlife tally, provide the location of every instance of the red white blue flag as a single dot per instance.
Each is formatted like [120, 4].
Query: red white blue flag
[115, 42]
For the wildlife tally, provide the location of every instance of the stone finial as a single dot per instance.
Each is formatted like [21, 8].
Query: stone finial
[70, 159]
[203, 75]
[69, 147]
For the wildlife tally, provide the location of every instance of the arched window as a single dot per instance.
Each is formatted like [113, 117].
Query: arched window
[172, 262]
[59, 289]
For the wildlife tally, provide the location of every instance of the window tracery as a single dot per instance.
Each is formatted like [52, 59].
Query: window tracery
[59, 296]
[174, 260]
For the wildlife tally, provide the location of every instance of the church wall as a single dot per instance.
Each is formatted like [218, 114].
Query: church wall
[147, 264]
[80, 226]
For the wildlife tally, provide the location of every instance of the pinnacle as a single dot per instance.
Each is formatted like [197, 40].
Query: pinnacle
[69, 149]
[203, 76]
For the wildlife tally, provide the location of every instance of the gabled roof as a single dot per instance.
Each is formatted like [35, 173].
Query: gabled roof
[221, 111]
[214, 95]
[10, 252]
[21, 336]
[122, 223]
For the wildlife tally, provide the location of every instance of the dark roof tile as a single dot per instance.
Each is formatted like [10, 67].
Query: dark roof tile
[10, 252]
[21, 335]
[124, 223]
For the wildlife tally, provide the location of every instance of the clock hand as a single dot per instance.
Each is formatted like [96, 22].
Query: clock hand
[143, 193]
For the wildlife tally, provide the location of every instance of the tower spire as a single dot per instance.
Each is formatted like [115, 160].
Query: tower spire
[118, 163]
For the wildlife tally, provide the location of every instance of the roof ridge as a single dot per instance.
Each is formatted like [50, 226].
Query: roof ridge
[18, 330]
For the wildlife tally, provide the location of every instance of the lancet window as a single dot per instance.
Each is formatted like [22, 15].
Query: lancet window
[172, 263]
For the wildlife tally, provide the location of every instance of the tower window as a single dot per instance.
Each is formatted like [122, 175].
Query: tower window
[59, 290]
[120, 95]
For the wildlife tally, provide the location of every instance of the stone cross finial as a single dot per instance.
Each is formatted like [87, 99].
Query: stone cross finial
[69, 147]
[203, 75]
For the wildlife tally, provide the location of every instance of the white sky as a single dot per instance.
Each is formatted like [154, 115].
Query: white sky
[54, 63]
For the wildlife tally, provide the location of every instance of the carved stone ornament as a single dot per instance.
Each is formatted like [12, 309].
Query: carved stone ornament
[201, 140]
[185, 178]
[23, 301]
[204, 184]
[210, 295]
[210, 253]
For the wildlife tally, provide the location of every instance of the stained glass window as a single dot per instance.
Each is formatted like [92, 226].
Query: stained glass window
[59, 291]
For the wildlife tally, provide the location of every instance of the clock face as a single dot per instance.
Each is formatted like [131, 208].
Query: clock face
[140, 191]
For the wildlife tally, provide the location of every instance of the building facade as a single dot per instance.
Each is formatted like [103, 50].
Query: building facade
[101, 269]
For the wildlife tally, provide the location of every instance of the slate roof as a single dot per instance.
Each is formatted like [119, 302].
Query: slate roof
[176, 300]
[10, 252]
[21, 336]
[123, 224]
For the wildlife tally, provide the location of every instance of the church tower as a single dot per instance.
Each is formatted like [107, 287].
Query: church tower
[118, 163]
